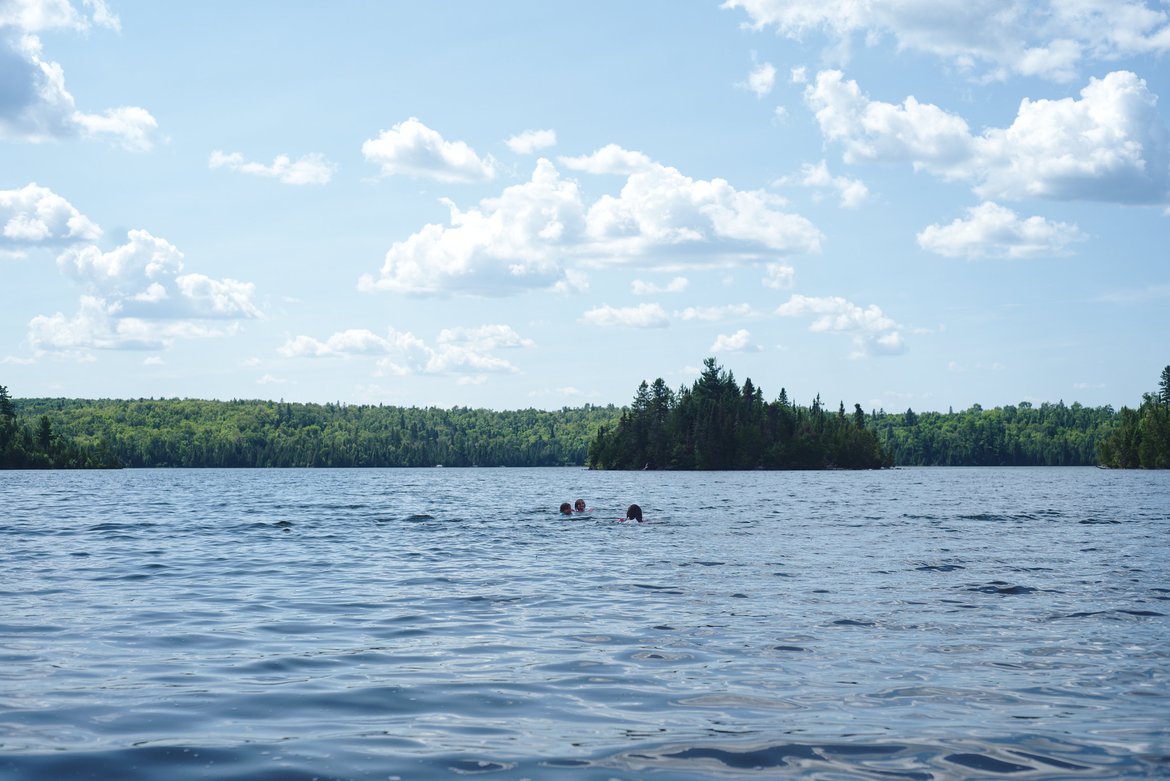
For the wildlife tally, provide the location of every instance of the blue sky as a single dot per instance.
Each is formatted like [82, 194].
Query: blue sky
[914, 203]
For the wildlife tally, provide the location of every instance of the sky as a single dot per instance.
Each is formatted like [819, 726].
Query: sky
[923, 204]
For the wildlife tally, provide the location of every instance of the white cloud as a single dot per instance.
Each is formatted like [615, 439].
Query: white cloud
[131, 127]
[873, 333]
[34, 104]
[531, 235]
[531, 141]
[100, 325]
[675, 285]
[641, 316]
[35, 216]
[799, 75]
[138, 298]
[660, 212]
[852, 192]
[308, 169]
[992, 39]
[738, 342]
[991, 230]
[1109, 145]
[457, 350]
[778, 276]
[513, 242]
[39, 15]
[713, 313]
[610, 159]
[411, 148]
[761, 80]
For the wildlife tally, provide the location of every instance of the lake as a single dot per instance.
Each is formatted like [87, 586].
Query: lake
[417, 624]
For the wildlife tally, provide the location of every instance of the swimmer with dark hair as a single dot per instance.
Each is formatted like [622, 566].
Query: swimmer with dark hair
[634, 513]
[566, 508]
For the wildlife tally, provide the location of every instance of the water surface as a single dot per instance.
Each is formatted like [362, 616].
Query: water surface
[375, 624]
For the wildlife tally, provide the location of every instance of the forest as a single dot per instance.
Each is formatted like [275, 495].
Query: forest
[1142, 438]
[195, 433]
[25, 446]
[713, 424]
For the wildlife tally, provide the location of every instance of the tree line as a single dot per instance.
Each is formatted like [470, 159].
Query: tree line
[713, 424]
[238, 433]
[38, 446]
[717, 424]
[1012, 435]
[1142, 438]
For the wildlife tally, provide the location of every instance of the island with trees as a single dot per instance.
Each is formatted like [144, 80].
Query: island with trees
[716, 424]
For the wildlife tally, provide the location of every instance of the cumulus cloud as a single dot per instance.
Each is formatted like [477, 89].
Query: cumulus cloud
[35, 106]
[713, 313]
[991, 40]
[411, 148]
[610, 159]
[778, 276]
[137, 297]
[852, 192]
[1108, 145]
[531, 235]
[101, 325]
[641, 316]
[456, 351]
[512, 242]
[873, 333]
[991, 230]
[761, 80]
[738, 342]
[675, 285]
[41, 15]
[308, 169]
[662, 213]
[531, 141]
[144, 278]
[37, 216]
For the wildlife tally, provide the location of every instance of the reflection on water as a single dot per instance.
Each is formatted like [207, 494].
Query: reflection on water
[917, 623]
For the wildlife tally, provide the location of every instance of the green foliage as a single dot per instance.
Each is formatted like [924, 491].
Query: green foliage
[1023, 435]
[27, 447]
[1142, 440]
[716, 424]
[195, 433]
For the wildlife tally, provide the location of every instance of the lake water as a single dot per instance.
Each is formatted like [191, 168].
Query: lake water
[415, 624]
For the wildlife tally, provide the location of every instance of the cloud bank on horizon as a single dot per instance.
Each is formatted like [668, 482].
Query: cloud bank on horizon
[860, 196]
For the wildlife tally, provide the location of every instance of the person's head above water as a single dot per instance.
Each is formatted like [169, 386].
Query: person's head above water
[566, 508]
[634, 513]
[579, 505]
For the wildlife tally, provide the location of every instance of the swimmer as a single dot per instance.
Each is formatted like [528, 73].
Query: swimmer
[579, 506]
[566, 508]
[634, 513]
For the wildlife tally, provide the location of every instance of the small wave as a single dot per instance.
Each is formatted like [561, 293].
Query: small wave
[1002, 587]
[986, 764]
